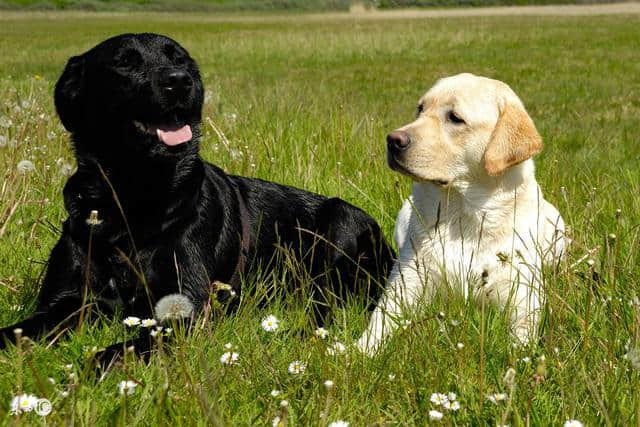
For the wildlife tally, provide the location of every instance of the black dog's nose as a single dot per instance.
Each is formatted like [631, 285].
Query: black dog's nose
[176, 82]
[398, 141]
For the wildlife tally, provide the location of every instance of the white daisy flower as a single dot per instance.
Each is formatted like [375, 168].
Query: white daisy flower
[451, 396]
[496, 397]
[228, 346]
[460, 346]
[336, 348]
[131, 321]
[439, 399]
[321, 333]
[339, 423]
[23, 403]
[229, 358]
[148, 323]
[270, 323]
[573, 423]
[127, 387]
[435, 415]
[451, 405]
[275, 393]
[25, 166]
[277, 422]
[328, 384]
[297, 367]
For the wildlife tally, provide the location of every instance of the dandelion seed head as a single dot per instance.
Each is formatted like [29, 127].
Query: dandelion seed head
[25, 166]
[174, 306]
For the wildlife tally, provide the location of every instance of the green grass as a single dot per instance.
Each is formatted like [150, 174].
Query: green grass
[308, 102]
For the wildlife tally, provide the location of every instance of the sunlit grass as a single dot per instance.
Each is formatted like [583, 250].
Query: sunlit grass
[308, 104]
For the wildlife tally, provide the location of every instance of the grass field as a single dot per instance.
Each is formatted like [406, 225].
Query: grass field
[308, 103]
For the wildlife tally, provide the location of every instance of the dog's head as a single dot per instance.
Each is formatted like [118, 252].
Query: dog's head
[133, 94]
[467, 126]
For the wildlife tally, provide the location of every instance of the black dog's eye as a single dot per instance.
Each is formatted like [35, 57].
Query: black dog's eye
[128, 59]
[174, 55]
[454, 118]
[420, 108]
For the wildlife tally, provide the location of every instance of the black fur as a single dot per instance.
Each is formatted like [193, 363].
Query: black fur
[167, 217]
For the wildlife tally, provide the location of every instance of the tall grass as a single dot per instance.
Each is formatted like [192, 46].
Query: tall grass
[308, 103]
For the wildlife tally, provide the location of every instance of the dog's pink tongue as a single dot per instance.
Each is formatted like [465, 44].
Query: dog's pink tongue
[175, 136]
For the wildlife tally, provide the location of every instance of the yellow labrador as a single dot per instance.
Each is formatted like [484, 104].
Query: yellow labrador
[476, 219]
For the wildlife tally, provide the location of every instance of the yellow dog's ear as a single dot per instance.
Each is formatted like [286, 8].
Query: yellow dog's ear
[514, 140]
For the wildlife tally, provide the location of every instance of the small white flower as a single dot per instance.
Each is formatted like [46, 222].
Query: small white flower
[284, 403]
[460, 346]
[573, 423]
[328, 384]
[174, 306]
[392, 376]
[68, 366]
[405, 323]
[277, 422]
[148, 323]
[297, 367]
[229, 358]
[25, 166]
[228, 346]
[270, 323]
[23, 403]
[496, 397]
[526, 359]
[438, 399]
[451, 396]
[435, 415]
[321, 333]
[454, 322]
[51, 380]
[336, 348]
[3, 141]
[64, 394]
[275, 393]
[339, 423]
[451, 405]
[127, 387]
[131, 321]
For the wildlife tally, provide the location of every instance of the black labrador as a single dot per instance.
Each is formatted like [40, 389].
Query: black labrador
[168, 222]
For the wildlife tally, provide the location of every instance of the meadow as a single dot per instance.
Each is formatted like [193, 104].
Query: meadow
[308, 102]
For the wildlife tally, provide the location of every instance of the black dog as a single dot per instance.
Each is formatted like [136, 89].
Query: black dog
[168, 222]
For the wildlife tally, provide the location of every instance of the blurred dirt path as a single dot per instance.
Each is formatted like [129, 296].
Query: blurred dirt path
[629, 8]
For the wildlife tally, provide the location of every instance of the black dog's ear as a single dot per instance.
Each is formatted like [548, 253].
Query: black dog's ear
[68, 93]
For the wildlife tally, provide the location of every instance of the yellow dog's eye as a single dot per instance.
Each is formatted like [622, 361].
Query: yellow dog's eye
[454, 118]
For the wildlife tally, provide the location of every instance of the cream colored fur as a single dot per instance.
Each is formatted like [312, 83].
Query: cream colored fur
[476, 219]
